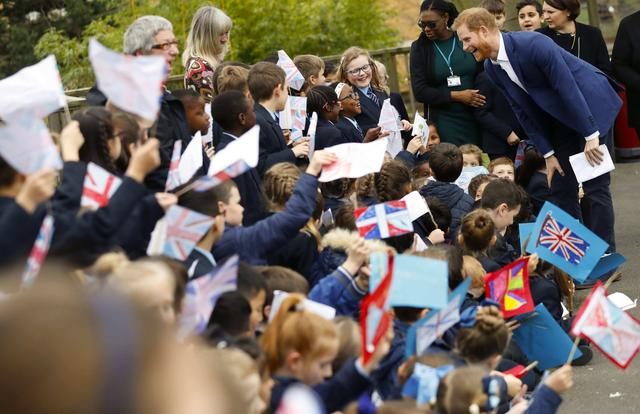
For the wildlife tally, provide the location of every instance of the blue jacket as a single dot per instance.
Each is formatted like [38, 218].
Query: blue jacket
[340, 291]
[327, 262]
[545, 401]
[558, 85]
[385, 377]
[459, 202]
[345, 386]
[254, 242]
[273, 148]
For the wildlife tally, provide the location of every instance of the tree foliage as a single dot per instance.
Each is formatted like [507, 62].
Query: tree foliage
[261, 27]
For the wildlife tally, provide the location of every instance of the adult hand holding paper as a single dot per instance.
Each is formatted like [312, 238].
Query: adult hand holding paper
[585, 168]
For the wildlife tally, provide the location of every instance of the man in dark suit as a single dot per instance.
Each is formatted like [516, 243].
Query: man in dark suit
[626, 64]
[564, 104]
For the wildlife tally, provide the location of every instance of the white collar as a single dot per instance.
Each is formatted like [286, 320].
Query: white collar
[502, 51]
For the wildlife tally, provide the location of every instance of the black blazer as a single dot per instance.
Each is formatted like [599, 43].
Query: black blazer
[250, 189]
[589, 46]
[327, 135]
[349, 132]
[202, 267]
[496, 118]
[273, 147]
[370, 111]
[626, 63]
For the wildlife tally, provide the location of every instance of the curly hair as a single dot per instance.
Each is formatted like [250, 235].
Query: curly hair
[96, 125]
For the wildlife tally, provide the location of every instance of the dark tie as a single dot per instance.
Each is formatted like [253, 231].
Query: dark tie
[373, 97]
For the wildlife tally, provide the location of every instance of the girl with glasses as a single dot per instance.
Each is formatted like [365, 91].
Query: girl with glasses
[442, 75]
[350, 108]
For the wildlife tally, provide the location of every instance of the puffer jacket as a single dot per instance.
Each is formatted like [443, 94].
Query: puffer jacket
[459, 202]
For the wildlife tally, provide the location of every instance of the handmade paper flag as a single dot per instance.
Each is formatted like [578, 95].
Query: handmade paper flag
[522, 146]
[425, 331]
[613, 331]
[354, 160]
[383, 220]
[300, 399]
[525, 231]
[191, 159]
[173, 177]
[422, 386]
[294, 116]
[541, 339]
[27, 146]
[35, 91]
[311, 133]
[374, 314]
[420, 128]
[309, 305]
[562, 241]
[99, 185]
[467, 174]
[607, 263]
[294, 77]
[201, 295]
[390, 122]
[132, 83]
[509, 287]
[416, 204]
[38, 252]
[185, 228]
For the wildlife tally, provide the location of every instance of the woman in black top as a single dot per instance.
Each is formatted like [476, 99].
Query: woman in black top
[581, 40]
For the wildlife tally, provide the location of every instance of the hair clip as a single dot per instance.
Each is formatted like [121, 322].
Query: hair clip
[493, 387]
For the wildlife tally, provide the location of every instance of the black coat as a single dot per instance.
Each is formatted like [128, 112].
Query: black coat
[626, 63]
[349, 132]
[328, 135]
[589, 46]
[496, 118]
[273, 147]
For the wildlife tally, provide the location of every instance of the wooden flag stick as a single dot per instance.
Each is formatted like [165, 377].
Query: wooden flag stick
[529, 367]
[573, 350]
[67, 113]
[525, 245]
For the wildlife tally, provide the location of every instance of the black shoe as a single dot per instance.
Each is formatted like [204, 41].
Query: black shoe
[587, 355]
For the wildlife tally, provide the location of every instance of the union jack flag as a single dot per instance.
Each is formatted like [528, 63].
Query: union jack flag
[383, 220]
[38, 252]
[99, 186]
[207, 182]
[202, 294]
[173, 178]
[613, 331]
[298, 106]
[374, 316]
[294, 77]
[560, 240]
[184, 229]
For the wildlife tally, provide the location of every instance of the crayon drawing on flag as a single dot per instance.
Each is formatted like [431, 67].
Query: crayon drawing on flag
[184, 229]
[38, 252]
[99, 186]
[509, 287]
[383, 220]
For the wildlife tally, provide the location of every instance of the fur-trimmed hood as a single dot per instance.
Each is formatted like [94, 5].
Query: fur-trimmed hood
[342, 239]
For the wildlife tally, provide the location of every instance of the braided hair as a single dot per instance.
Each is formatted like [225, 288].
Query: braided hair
[392, 181]
[278, 183]
[96, 125]
[318, 97]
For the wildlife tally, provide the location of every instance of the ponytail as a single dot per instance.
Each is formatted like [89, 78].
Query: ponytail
[477, 230]
[488, 337]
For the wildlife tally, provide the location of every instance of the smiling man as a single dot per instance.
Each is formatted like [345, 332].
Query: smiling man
[564, 104]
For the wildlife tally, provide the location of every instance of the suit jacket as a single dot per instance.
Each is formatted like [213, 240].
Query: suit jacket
[203, 264]
[250, 189]
[349, 132]
[626, 63]
[495, 117]
[558, 84]
[328, 135]
[370, 111]
[273, 147]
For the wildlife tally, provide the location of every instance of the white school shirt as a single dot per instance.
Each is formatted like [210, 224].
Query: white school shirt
[503, 61]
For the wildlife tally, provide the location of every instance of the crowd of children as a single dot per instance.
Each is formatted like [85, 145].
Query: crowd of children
[73, 345]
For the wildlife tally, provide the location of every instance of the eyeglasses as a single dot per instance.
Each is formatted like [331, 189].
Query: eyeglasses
[353, 95]
[366, 68]
[166, 45]
[431, 24]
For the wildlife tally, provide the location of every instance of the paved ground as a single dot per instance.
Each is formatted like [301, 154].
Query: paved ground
[601, 387]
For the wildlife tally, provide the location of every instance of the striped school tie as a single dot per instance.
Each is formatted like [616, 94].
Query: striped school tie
[371, 95]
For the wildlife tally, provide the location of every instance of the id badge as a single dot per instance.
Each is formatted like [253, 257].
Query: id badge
[453, 81]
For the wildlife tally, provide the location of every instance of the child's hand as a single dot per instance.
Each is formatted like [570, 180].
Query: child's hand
[415, 144]
[357, 255]
[71, 139]
[512, 325]
[561, 379]
[436, 236]
[37, 188]
[514, 385]
[144, 159]
[534, 259]
[301, 148]
[381, 351]
[319, 159]
[210, 151]
[287, 134]
[519, 407]
[406, 125]
[166, 200]
[372, 134]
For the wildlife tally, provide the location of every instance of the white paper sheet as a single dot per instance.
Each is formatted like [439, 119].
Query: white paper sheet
[354, 160]
[584, 171]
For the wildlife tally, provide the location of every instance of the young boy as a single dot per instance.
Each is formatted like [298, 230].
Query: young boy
[233, 77]
[268, 86]
[502, 200]
[471, 155]
[312, 69]
[234, 112]
[197, 118]
[529, 15]
[445, 164]
[253, 286]
[495, 7]
[503, 167]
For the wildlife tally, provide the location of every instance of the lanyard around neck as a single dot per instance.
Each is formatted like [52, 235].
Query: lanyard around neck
[447, 60]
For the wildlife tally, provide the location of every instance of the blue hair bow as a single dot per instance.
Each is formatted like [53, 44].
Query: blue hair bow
[493, 387]
[423, 383]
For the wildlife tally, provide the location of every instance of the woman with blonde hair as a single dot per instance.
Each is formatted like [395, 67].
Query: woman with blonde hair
[207, 45]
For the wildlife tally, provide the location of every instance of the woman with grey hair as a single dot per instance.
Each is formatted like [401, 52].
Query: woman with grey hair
[207, 45]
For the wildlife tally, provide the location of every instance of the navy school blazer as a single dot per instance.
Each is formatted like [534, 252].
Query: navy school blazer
[559, 86]
[273, 147]
[349, 132]
[370, 111]
[328, 135]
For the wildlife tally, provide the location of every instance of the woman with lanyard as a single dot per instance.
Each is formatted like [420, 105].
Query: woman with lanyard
[442, 75]
[581, 40]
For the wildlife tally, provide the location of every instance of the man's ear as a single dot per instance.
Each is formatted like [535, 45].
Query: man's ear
[222, 208]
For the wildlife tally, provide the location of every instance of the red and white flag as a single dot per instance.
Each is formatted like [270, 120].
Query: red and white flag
[38, 252]
[173, 178]
[99, 186]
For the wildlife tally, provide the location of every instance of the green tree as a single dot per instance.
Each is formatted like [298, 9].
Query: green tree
[261, 27]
